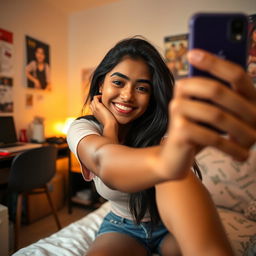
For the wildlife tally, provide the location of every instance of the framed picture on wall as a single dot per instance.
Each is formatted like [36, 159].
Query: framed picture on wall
[38, 64]
[176, 48]
[251, 68]
[86, 74]
[6, 100]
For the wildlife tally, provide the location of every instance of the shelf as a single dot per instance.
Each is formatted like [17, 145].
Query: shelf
[87, 203]
[78, 200]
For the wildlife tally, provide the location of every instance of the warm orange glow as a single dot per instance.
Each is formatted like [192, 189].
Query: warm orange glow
[58, 128]
[67, 123]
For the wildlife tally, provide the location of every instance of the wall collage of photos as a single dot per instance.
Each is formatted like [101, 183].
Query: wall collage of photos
[36, 73]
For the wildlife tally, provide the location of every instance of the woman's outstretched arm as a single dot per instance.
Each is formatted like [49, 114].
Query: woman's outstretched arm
[185, 205]
[128, 169]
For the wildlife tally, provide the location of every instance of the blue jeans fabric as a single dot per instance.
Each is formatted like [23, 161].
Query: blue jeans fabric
[151, 240]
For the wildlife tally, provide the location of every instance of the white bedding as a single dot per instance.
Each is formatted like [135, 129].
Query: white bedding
[72, 240]
[75, 239]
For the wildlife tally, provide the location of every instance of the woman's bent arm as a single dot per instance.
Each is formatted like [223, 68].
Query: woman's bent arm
[120, 167]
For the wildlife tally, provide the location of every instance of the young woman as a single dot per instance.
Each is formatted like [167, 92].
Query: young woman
[140, 144]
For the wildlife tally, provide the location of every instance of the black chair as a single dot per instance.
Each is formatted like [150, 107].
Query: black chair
[30, 173]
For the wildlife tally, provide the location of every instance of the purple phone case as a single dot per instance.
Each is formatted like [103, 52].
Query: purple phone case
[211, 32]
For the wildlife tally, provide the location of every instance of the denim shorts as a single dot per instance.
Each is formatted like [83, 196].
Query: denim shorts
[150, 239]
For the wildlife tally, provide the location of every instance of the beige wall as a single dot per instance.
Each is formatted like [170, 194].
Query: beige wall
[81, 40]
[94, 31]
[40, 21]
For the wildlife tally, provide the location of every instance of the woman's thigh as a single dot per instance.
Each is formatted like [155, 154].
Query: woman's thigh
[116, 244]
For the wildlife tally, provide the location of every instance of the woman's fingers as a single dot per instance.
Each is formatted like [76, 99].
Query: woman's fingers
[95, 103]
[214, 91]
[100, 111]
[189, 133]
[225, 70]
[200, 100]
[203, 112]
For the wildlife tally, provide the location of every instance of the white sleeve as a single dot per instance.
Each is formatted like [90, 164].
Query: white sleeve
[77, 131]
[31, 66]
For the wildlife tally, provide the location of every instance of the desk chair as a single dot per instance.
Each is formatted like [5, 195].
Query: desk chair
[30, 173]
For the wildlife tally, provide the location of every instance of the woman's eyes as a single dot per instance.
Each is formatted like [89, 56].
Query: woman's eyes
[142, 89]
[139, 88]
[118, 82]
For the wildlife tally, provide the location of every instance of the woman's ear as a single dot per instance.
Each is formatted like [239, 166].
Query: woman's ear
[100, 89]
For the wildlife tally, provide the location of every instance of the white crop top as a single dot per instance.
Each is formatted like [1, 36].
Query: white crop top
[119, 201]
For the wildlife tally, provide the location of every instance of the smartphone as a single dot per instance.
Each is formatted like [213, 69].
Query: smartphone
[223, 34]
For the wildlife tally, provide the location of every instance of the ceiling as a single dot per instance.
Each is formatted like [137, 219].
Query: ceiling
[71, 6]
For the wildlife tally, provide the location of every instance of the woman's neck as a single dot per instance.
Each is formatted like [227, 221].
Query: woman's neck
[122, 132]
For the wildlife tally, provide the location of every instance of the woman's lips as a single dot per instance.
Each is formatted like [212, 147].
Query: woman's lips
[123, 108]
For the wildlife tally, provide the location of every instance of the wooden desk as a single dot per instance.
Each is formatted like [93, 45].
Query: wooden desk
[75, 179]
[63, 151]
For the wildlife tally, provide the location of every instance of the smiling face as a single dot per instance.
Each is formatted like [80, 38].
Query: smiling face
[126, 90]
[40, 55]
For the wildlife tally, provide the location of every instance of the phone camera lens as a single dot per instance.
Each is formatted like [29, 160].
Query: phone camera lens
[237, 30]
[237, 26]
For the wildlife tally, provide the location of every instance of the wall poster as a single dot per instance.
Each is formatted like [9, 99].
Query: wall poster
[86, 79]
[176, 48]
[6, 71]
[38, 64]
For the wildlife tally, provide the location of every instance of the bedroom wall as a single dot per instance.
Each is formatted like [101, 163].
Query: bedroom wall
[81, 40]
[43, 22]
[93, 32]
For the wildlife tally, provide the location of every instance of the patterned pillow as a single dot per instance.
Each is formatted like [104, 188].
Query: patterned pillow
[250, 212]
[232, 184]
[241, 232]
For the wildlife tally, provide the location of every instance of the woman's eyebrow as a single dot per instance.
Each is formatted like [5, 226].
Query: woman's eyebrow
[121, 75]
[127, 78]
[144, 81]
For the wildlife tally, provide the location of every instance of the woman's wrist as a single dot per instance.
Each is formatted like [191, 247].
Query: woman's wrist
[175, 158]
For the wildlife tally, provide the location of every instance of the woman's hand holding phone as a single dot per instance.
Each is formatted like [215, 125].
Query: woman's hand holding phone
[219, 97]
[233, 109]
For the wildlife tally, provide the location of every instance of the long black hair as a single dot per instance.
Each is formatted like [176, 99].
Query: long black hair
[149, 129]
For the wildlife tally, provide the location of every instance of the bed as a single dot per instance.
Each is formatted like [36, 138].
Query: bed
[233, 189]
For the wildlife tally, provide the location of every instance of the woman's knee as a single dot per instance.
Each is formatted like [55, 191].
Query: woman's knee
[98, 252]
[170, 247]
